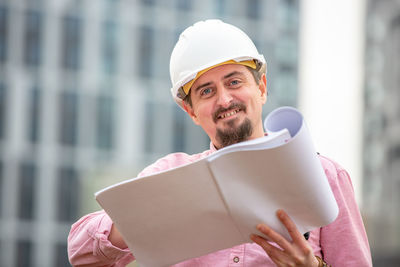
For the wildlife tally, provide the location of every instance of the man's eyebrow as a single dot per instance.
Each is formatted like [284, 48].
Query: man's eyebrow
[201, 86]
[232, 74]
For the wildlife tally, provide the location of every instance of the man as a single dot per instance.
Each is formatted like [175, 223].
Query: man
[219, 79]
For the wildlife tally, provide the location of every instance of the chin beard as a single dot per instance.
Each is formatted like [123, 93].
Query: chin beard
[232, 135]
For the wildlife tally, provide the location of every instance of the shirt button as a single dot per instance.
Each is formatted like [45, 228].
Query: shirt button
[236, 259]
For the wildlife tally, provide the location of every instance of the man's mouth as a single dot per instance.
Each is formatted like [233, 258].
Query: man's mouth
[232, 110]
[228, 114]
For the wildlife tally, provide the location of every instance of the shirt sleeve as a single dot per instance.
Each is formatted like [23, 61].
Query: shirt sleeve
[344, 242]
[88, 243]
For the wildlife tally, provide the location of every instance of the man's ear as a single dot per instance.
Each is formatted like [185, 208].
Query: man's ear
[189, 110]
[262, 86]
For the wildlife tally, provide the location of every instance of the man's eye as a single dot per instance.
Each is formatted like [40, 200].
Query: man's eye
[206, 91]
[234, 82]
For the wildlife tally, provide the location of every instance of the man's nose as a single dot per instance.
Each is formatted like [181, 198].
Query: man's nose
[224, 97]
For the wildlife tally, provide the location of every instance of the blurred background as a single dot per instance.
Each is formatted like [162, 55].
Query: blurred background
[85, 103]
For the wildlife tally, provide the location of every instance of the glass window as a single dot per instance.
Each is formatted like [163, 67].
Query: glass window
[33, 35]
[286, 51]
[288, 15]
[146, 35]
[71, 42]
[394, 153]
[109, 47]
[68, 118]
[24, 254]
[105, 120]
[3, 101]
[149, 127]
[185, 5]
[253, 9]
[148, 2]
[179, 130]
[34, 115]
[27, 177]
[3, 33]
[68, 195]
[285, 89]
[61, 259]
[1, 192]
[219, 7]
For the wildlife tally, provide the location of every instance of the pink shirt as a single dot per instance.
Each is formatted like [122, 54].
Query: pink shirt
[341, 243]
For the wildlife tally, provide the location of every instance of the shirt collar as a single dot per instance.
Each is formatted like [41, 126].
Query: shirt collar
[212, 147]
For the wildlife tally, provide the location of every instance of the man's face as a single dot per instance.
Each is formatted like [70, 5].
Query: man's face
[227, 104]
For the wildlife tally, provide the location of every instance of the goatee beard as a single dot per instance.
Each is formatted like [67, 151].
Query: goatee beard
[233, 135]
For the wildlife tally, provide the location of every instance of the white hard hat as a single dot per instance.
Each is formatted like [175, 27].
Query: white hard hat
[207, 44]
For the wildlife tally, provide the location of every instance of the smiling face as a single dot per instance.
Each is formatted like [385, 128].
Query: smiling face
[227, 104]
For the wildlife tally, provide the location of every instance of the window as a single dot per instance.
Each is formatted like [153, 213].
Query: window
[184, 5]
[145, 52]
[33, 35]
[3, 33]
[3, 101]
[288, 16]
[179, 130]
[68, 118]
[1, 191]
[105, 120]
[253, 9]
[24, 254]
[149, 128]
[27, 177]
[109, 47]
[219, 7]
[148, 2]
[61, 258]
[71, 34]
[394, 153]
[68, 195]
[34, 115]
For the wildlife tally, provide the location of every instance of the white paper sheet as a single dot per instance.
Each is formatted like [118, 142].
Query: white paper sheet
[217, 202]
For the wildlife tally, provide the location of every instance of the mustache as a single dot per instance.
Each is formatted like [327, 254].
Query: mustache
[235, 105]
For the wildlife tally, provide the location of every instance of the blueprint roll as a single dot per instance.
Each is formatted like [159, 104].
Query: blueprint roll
[284, 117]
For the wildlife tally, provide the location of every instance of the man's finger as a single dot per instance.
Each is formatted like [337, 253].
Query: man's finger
[290, 226]
[276, 255]
[275, 237]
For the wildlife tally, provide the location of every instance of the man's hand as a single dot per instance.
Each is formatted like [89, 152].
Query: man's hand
[116, 239]
[297, 252]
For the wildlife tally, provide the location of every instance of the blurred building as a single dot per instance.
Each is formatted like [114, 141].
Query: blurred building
[85, 101]
[381, 196]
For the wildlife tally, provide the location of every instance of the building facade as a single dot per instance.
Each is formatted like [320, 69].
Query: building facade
[381, 194]
[85, 102]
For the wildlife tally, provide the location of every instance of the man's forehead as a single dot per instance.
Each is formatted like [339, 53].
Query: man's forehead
[220, 73]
